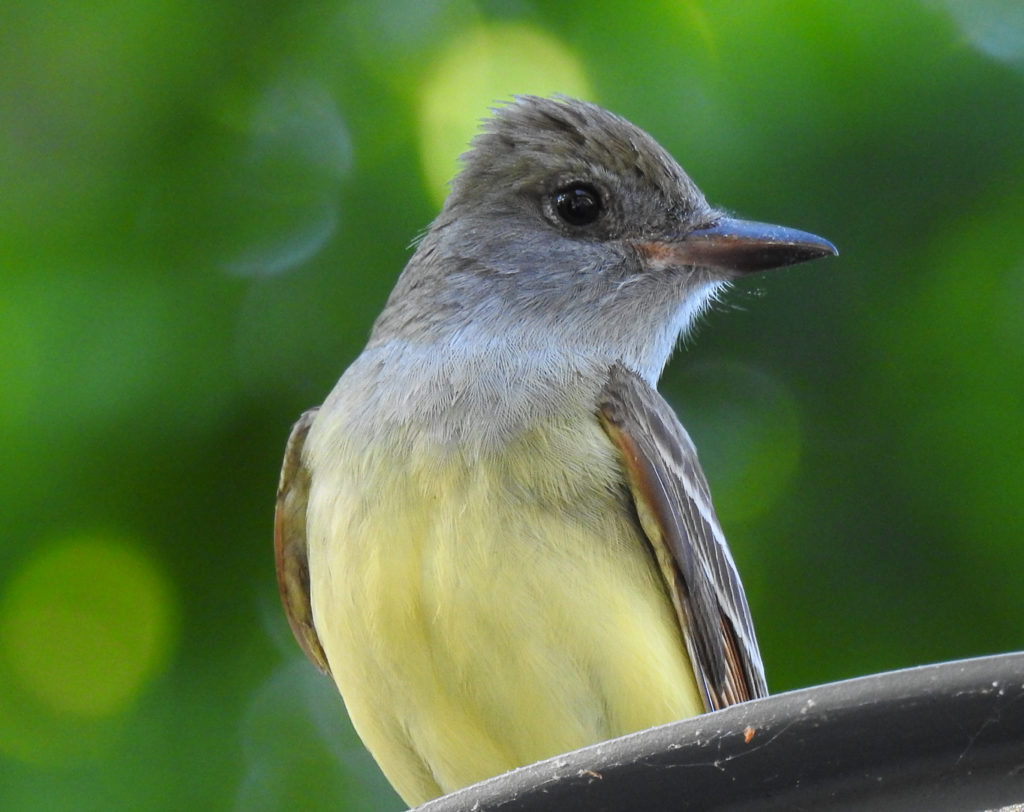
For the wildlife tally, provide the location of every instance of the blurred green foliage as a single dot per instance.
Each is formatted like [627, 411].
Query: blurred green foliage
[204, 205]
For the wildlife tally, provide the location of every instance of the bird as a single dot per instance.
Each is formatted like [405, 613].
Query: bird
[494, 534]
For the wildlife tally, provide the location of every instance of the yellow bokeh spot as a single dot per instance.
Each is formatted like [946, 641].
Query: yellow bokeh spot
[483, 66]
[84, 625]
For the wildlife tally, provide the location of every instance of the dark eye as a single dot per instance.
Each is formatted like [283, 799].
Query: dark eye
[578, 204]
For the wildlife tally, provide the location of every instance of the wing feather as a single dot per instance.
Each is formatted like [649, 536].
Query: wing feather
[290, 553]
[673, 502]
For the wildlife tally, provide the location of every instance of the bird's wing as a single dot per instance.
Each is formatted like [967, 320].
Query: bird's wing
[290, 543]
[673, 503]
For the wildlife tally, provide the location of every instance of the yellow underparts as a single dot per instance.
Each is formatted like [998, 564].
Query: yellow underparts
[479, 617]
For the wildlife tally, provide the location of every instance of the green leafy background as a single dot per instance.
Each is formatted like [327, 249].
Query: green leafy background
[203, 206]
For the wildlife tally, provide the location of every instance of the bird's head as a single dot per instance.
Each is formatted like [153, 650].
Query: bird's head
[568, 218]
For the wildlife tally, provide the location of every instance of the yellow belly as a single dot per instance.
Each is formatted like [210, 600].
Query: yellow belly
[480, 617]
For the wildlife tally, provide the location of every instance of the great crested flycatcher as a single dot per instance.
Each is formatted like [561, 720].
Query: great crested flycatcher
[494, 534]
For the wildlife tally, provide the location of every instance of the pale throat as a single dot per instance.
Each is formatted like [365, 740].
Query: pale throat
[480, 385]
